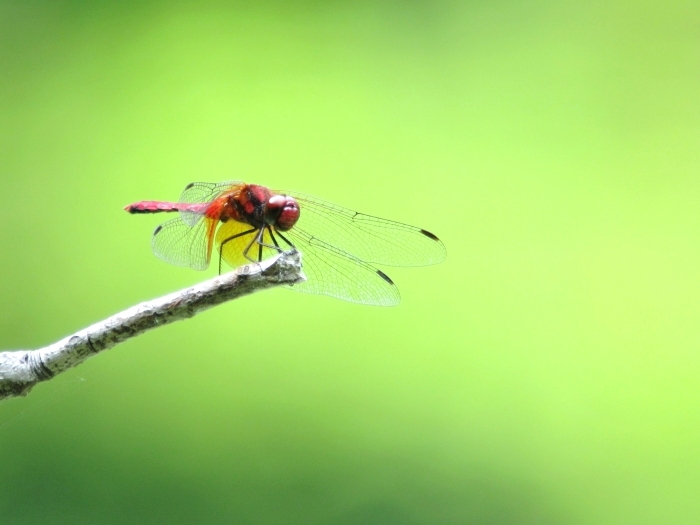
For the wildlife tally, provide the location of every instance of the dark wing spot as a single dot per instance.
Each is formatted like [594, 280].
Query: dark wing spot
[189, 185]
[158, 229]
[431, 235]
[385, 277]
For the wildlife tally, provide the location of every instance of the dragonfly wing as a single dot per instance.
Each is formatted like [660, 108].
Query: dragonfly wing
[196, 192]
[371, 239]
[331, 271]
[183, 244]
[203, 192]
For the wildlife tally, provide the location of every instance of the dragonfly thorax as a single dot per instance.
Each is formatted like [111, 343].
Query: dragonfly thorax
[258, 206]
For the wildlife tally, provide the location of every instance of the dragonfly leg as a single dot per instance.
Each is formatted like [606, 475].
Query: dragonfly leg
[286, 240]
[250, 245]
[276, 246]
[221, 249]
[261, 244]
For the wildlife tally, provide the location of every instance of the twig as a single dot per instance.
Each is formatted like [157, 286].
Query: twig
[22, 369]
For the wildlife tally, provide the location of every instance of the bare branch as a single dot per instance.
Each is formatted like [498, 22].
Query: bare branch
[22, 369]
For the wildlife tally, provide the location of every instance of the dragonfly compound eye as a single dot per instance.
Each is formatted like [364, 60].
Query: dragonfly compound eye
[282, 211]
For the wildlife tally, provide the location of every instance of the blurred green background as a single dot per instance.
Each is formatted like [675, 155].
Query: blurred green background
[546, 373]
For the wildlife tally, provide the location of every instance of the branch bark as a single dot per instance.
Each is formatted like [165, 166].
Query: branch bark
[20, 370]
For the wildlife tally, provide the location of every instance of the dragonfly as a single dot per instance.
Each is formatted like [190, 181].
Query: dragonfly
[249, 223]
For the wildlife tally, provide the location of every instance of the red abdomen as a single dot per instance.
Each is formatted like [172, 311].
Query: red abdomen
[164, 207]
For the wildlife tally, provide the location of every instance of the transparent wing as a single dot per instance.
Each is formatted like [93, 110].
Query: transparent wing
[182, 244]
[331, 271]
[203, 192]
[196, 192]
[371, 239]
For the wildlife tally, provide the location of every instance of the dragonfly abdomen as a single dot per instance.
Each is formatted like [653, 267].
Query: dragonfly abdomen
[163, 207]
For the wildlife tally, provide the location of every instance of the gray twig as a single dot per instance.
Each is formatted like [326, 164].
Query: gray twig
[20, 370]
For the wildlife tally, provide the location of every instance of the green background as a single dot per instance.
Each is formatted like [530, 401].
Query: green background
[546, 372]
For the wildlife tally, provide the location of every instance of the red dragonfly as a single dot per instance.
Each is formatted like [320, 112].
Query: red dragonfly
[249, 222]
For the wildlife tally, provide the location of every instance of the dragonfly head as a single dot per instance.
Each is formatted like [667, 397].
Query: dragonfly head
[282, 212]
